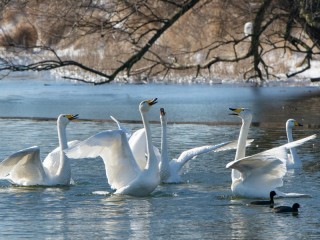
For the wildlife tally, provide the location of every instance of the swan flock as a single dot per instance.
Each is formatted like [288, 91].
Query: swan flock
[135, 166]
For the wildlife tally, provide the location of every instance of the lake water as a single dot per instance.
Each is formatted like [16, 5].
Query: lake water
[202, 207]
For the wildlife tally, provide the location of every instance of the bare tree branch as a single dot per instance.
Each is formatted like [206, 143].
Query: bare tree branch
[144, 39]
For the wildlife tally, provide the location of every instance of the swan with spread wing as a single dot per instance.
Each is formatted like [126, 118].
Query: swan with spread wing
[123, 173]
[255, 176]
[169, 169]
[26, 169]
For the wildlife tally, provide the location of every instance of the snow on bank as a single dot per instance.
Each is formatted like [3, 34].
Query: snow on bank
[73, 73]
[299, 80]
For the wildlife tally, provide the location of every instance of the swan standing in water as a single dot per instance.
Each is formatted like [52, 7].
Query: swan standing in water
[122, 171]
[293, 158]
[26, 169]
[257, 175]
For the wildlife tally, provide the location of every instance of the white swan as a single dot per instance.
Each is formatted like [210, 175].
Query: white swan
[169, 170]
[122, 171]
[26, 169]
[293, 158]
[255, 176]
[137, 143]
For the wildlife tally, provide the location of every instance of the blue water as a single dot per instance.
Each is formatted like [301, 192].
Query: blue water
[202, 207]
[184, 103]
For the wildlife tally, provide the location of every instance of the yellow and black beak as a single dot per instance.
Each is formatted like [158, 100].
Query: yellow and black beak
[72, 117]
[162, 112]
[297, 124]
[152, 102]
[235, 111]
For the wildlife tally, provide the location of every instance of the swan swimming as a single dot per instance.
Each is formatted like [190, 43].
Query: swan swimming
[169, 169]
[25, 168]
[122, 171]
[257, 175]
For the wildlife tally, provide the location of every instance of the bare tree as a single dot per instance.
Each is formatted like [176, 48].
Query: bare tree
[144, 39]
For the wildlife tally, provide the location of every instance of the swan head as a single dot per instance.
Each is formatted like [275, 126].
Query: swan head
[146, 105]
[243, 113]
[162, 114]
[292, 123]
[66, 118]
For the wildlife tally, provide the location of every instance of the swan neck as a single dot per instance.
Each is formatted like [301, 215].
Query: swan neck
[242, 140]
[241, 148]
[289, 134]
[151, 154]
[64, 165]
[164, 142]
[294, 155]
[164, 162]
[62, 137]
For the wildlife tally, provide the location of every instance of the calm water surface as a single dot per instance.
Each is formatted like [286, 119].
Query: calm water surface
[202, 207]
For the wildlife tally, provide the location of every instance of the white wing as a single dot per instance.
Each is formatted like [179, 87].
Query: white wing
[138, 145]
[19, 157]
[264, 170]
[177, 164]
[112, 146]
[121, 127]
[299, 142]
[232, 145]
[23, 167]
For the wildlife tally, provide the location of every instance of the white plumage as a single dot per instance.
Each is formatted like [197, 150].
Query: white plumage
[294, 160]
[169, 169]
[123, 173]
[26, 169]
[255, 176]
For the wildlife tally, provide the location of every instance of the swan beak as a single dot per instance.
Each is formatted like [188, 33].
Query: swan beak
[152, 102]
[236, 111]
[72, 117]
[297, 124]
[162, 112]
